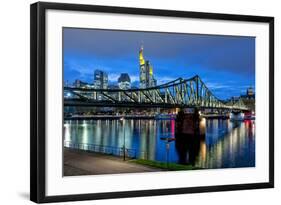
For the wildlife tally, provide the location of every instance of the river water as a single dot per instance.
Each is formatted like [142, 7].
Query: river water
[225, 144]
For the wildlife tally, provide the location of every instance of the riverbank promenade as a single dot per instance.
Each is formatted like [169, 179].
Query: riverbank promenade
[77, 162]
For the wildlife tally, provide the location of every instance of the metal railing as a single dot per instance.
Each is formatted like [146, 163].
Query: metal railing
[110, 150]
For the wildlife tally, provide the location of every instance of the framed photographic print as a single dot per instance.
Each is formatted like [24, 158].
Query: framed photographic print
[129, 102]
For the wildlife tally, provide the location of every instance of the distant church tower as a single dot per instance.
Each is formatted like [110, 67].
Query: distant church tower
[146, 72]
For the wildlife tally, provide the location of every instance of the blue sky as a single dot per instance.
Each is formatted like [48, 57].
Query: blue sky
[225, 63]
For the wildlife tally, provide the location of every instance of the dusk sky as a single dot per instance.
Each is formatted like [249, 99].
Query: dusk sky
[225, 63]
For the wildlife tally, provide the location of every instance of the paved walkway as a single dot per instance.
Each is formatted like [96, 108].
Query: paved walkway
[84, 163]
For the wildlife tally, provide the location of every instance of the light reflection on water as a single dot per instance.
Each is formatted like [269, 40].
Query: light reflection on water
[224, 144]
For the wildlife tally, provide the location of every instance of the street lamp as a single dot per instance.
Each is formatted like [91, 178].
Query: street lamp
[124, 138]
[167, 140]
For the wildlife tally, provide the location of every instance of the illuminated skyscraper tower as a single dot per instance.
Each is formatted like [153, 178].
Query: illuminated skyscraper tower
[142, 69]
[146, 72]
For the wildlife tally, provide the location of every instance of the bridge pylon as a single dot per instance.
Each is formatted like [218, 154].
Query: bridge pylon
[190, 124]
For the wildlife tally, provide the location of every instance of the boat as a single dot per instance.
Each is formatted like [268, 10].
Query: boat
[243, 117]
[165, 117]
[249, 117]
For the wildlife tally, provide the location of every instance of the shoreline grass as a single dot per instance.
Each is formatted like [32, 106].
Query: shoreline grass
[163, 165]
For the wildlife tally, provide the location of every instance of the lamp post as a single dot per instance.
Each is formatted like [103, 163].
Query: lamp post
[167, 152]
[167, 140]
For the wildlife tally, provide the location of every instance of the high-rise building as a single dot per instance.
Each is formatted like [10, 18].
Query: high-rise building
[79, 84]
[249, 98]
[250, 92]
[146, 72]
[124, 81]
[100, 79]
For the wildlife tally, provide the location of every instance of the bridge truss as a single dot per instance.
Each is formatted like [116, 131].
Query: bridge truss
[182, 93]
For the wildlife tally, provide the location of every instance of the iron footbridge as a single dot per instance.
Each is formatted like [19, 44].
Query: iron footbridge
[179, 93]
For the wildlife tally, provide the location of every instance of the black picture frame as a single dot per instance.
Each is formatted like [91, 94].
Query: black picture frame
[38, 103]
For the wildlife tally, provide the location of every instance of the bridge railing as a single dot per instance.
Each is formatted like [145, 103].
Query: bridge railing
[110, 150]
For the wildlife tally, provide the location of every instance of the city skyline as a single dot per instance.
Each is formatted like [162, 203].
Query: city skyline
[225, 63]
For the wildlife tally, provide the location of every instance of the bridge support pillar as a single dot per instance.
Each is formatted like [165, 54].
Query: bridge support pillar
[190, 132]
[190, 123]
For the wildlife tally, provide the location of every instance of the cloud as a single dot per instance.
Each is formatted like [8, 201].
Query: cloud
[215, 86]
[216, 59]
[113, 77]
[234, 53]
[134, 78]
[164, 79]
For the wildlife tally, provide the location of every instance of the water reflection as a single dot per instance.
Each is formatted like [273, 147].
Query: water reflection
[222, 144]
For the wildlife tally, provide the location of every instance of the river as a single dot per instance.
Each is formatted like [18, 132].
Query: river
[225, 144]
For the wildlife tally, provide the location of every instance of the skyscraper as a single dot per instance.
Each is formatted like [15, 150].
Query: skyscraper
[79, 84]
[124, 81]
[100, 79]
[146, 72]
